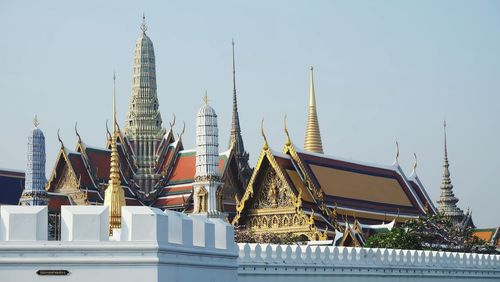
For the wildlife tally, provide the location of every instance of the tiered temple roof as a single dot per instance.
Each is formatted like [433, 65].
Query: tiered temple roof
[330, 190]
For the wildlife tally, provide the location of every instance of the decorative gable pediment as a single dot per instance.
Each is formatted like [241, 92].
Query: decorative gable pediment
[272, 193]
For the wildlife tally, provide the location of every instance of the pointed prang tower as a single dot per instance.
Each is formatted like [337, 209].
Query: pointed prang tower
[114, 197]
[208, 197]
[34, 188]
[313, 136]
[143, 126]
[235, 139]
[447, 201]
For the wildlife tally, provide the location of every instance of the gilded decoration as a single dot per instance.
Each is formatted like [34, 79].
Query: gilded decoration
[272, 193]
[69, 185]
[275, 208]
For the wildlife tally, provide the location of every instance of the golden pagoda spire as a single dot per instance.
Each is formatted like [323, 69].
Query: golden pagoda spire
[114, 196]
[313, 136]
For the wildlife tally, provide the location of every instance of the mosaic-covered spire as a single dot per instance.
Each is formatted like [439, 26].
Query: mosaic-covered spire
[447, 201]
[235, 138]
[114, 197]
[313, 136]
[207, 143]
[143, 126]
[207, 197]
[34, 189]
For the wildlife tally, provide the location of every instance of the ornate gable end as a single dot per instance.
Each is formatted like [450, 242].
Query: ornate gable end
[272, 208]
[270, 203]
[64, 180]
[272, 193]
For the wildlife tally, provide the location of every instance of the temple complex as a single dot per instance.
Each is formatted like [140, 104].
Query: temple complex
[292, 190]
[147, 161]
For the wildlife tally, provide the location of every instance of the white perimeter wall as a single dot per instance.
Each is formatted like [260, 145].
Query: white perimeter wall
[266, 262]
[168, 246]
[151, 246]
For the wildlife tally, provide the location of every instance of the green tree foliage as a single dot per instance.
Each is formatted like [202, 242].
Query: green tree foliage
[432, 232]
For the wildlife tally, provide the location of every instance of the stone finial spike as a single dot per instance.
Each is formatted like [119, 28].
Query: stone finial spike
[144, 27]
[205, 97]
[445, 145]
[35, 121]
[313, 137]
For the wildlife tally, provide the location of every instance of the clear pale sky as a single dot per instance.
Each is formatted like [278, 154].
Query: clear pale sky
[384, 71]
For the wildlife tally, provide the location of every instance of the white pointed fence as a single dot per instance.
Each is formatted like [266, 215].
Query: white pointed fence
[168, 246]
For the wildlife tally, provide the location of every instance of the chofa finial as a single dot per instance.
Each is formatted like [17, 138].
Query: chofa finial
[415, 164]
[76, 132]
[108, 133]
[288, 140]
[172, 123]
[179, 135]
[263, 134]
[396, 161]
[59, 138]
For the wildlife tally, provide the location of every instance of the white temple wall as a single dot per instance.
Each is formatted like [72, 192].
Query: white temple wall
[266, 262]
[144, 250]
[168, 246]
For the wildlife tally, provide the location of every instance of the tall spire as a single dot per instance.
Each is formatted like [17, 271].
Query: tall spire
[235, 138]
[114, 196]
[447, 201]
[313, 136]
[34, 189]
[143, 126]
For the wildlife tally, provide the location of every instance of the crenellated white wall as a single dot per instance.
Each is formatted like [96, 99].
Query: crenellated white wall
[266, 262]
[151, 246]
[168, 246]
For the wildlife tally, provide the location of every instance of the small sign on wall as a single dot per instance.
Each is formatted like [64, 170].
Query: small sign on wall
[52, 272]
